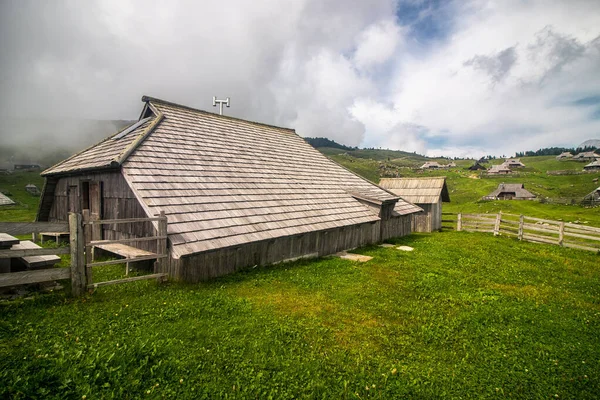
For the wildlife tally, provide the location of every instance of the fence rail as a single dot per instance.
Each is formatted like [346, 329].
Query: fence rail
[532, 229]
[80, 248]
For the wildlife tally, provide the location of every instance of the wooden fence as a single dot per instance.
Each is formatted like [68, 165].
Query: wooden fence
[80, 248]
[532, 229]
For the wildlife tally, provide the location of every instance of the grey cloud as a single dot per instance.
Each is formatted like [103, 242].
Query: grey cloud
[496, 66]
[95, 59]
[554, 49]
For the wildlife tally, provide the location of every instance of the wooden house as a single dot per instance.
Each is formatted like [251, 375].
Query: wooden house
[510, 191]
[499, 170]
[431, 165]
[514, 163]
[427, 193]
[564, 156]
[236, 193]
[593, 198]
[476, 167]
[593, 166]
[586, 156]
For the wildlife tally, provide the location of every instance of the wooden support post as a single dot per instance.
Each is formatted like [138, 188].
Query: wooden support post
[161, 244]
[497, 225]
[561, 233]
[34, 237]
[521, 222]
[89, 258]
[459, 222]
[77, 244]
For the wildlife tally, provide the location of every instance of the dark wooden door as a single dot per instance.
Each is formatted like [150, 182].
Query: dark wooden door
[73, 198]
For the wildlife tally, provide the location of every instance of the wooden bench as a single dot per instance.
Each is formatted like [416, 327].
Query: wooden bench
[58, 236]
[33, 262]
[126, 252]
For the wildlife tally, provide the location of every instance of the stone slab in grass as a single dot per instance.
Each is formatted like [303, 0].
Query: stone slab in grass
[386, 245]
[353, 257]
[405, 248]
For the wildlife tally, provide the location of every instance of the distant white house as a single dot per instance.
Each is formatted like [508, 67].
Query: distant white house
[501, 169]
[564, 156]
[431, 165]
[514, 163]
[586, 156]
[593, 166]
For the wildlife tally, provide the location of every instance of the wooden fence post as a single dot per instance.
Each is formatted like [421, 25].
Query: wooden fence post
[161, 244]
[561, 233]
[497, 225]
[77, 243]
[459, 222]
[89, 258]
[521, 222]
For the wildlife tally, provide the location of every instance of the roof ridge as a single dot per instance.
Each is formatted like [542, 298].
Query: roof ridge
[149, 99]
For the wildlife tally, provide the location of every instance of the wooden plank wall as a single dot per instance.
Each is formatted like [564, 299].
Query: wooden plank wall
[396, 227]
[204, 266]
[422, 221]
[119, 202]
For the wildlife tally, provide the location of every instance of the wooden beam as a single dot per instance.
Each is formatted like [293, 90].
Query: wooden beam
[25, 228]
[121, 221]
[27, 277]
[140, 239]
[125, 260]
[33, 252]
[124, 280]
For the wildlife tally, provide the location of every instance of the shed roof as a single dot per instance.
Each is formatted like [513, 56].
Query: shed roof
[517, 188]
[5, 200]
[497, 169]
[224, 181]
[431, 164]
[593, 164]
[593, 195]
[418, 190]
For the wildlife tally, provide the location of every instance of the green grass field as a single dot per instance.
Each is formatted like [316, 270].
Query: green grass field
[462, 316]
[465, 315]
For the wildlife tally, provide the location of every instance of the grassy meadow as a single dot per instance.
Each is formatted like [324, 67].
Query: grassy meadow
[464, 315]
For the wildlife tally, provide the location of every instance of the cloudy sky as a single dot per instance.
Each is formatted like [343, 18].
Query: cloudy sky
[436, 77]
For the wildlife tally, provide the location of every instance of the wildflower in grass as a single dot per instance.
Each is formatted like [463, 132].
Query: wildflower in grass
[394, 371]
[84, 397]
[181, 381]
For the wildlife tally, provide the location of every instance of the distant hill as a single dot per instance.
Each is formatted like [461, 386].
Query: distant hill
[330, 147]
[317, 142]
[590, 143]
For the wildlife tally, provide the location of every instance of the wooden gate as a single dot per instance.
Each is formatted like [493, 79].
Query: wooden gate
[93, 228]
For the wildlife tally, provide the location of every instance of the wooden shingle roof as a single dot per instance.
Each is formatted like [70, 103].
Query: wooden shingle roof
[5, 200]
[110, 153]
[225, 182]
[418, 190]
[517, 188]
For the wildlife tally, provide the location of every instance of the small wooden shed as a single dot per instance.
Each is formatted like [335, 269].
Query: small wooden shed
[5, 200]
[427, 193]
[513, 163]
[564, 156]
[592, 198]
[510, 191]
[432, 165]
[586, 156]
[593, 166]
[499, 170]
[235, 193]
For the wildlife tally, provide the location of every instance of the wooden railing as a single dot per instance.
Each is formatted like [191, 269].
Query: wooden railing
[160, 255]
[80, 271]
[532, 229]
